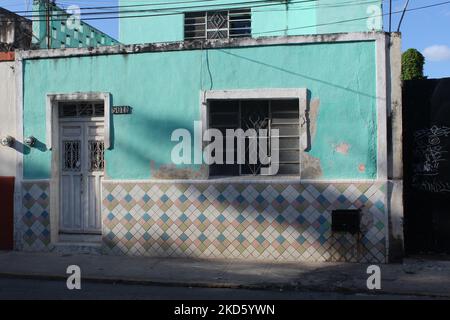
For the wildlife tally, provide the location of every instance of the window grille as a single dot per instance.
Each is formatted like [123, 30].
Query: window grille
[96, 155]
[71, 159]
[82, 109]
[217, 24]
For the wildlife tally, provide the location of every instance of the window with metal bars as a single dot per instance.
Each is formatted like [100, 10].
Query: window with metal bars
[282, 115]
[217, 24]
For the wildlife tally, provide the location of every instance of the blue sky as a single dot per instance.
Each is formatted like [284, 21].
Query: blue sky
[427, 30]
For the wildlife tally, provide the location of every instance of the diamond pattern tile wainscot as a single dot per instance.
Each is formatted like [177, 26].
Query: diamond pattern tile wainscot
[282, 222]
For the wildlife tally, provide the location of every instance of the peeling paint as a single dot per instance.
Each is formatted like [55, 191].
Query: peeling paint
[311, 168]
[200, 45]
[171, 171]
[313, 113]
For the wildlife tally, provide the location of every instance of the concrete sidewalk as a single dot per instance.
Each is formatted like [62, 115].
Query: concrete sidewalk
[414, 277]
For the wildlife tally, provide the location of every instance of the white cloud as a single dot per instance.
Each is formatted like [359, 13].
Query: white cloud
[437, 53]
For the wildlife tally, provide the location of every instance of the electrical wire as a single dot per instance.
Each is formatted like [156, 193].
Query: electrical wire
[279, 30]
[173, 12]
[203, 6]
[341, 21]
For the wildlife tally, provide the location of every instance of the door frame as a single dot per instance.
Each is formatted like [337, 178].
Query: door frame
[52, 143]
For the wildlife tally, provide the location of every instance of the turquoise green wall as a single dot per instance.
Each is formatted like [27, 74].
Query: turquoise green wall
[294, 17]
[165, 26]
[62, 36]
[163, 89]
[284, 19]
[335, 16]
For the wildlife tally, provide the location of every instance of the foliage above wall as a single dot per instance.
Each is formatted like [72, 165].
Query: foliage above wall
[412, 65]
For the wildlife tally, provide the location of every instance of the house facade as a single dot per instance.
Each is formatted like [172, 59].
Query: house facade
[117, 137]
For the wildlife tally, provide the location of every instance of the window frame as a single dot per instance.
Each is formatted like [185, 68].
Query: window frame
[209, 13]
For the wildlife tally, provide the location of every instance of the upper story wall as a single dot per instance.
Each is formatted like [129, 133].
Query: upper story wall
[65, 30]
[163, 22]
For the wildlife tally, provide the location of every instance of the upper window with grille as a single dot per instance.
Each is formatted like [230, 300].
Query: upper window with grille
[222, 24]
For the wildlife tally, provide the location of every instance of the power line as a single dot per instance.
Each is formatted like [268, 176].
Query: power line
[267, 2]
[274, 2]
[174, 12]
[203, 6]
[279, 30]
[357, 19]
[128, 6]
[341, 21]
[403, 15]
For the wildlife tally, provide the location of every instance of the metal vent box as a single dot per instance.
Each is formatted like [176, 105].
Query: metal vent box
[346, 221]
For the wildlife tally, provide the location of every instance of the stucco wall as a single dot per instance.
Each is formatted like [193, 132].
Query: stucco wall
[296, 17]
[163, 89]
[7, 117]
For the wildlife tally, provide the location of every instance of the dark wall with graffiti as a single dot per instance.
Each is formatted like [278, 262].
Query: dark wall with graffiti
[426, 125]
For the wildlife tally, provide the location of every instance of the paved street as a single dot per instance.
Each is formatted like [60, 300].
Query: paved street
[414, 277]
[13, 288]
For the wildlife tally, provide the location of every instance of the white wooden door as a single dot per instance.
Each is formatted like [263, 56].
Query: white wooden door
[82, 170]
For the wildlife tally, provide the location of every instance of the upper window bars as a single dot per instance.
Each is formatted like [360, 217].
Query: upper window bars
[217, 24]
[81, 109]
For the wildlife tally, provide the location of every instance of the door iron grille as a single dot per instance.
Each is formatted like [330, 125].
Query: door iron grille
[96, 155]
[71, 161]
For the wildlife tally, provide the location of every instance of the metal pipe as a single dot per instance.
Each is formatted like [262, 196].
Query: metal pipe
[390, 16]
[48, 23]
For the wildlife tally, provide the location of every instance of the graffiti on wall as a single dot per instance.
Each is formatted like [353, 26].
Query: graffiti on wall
[430, 152]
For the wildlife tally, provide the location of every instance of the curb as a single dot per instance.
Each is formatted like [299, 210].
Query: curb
[222, 285]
